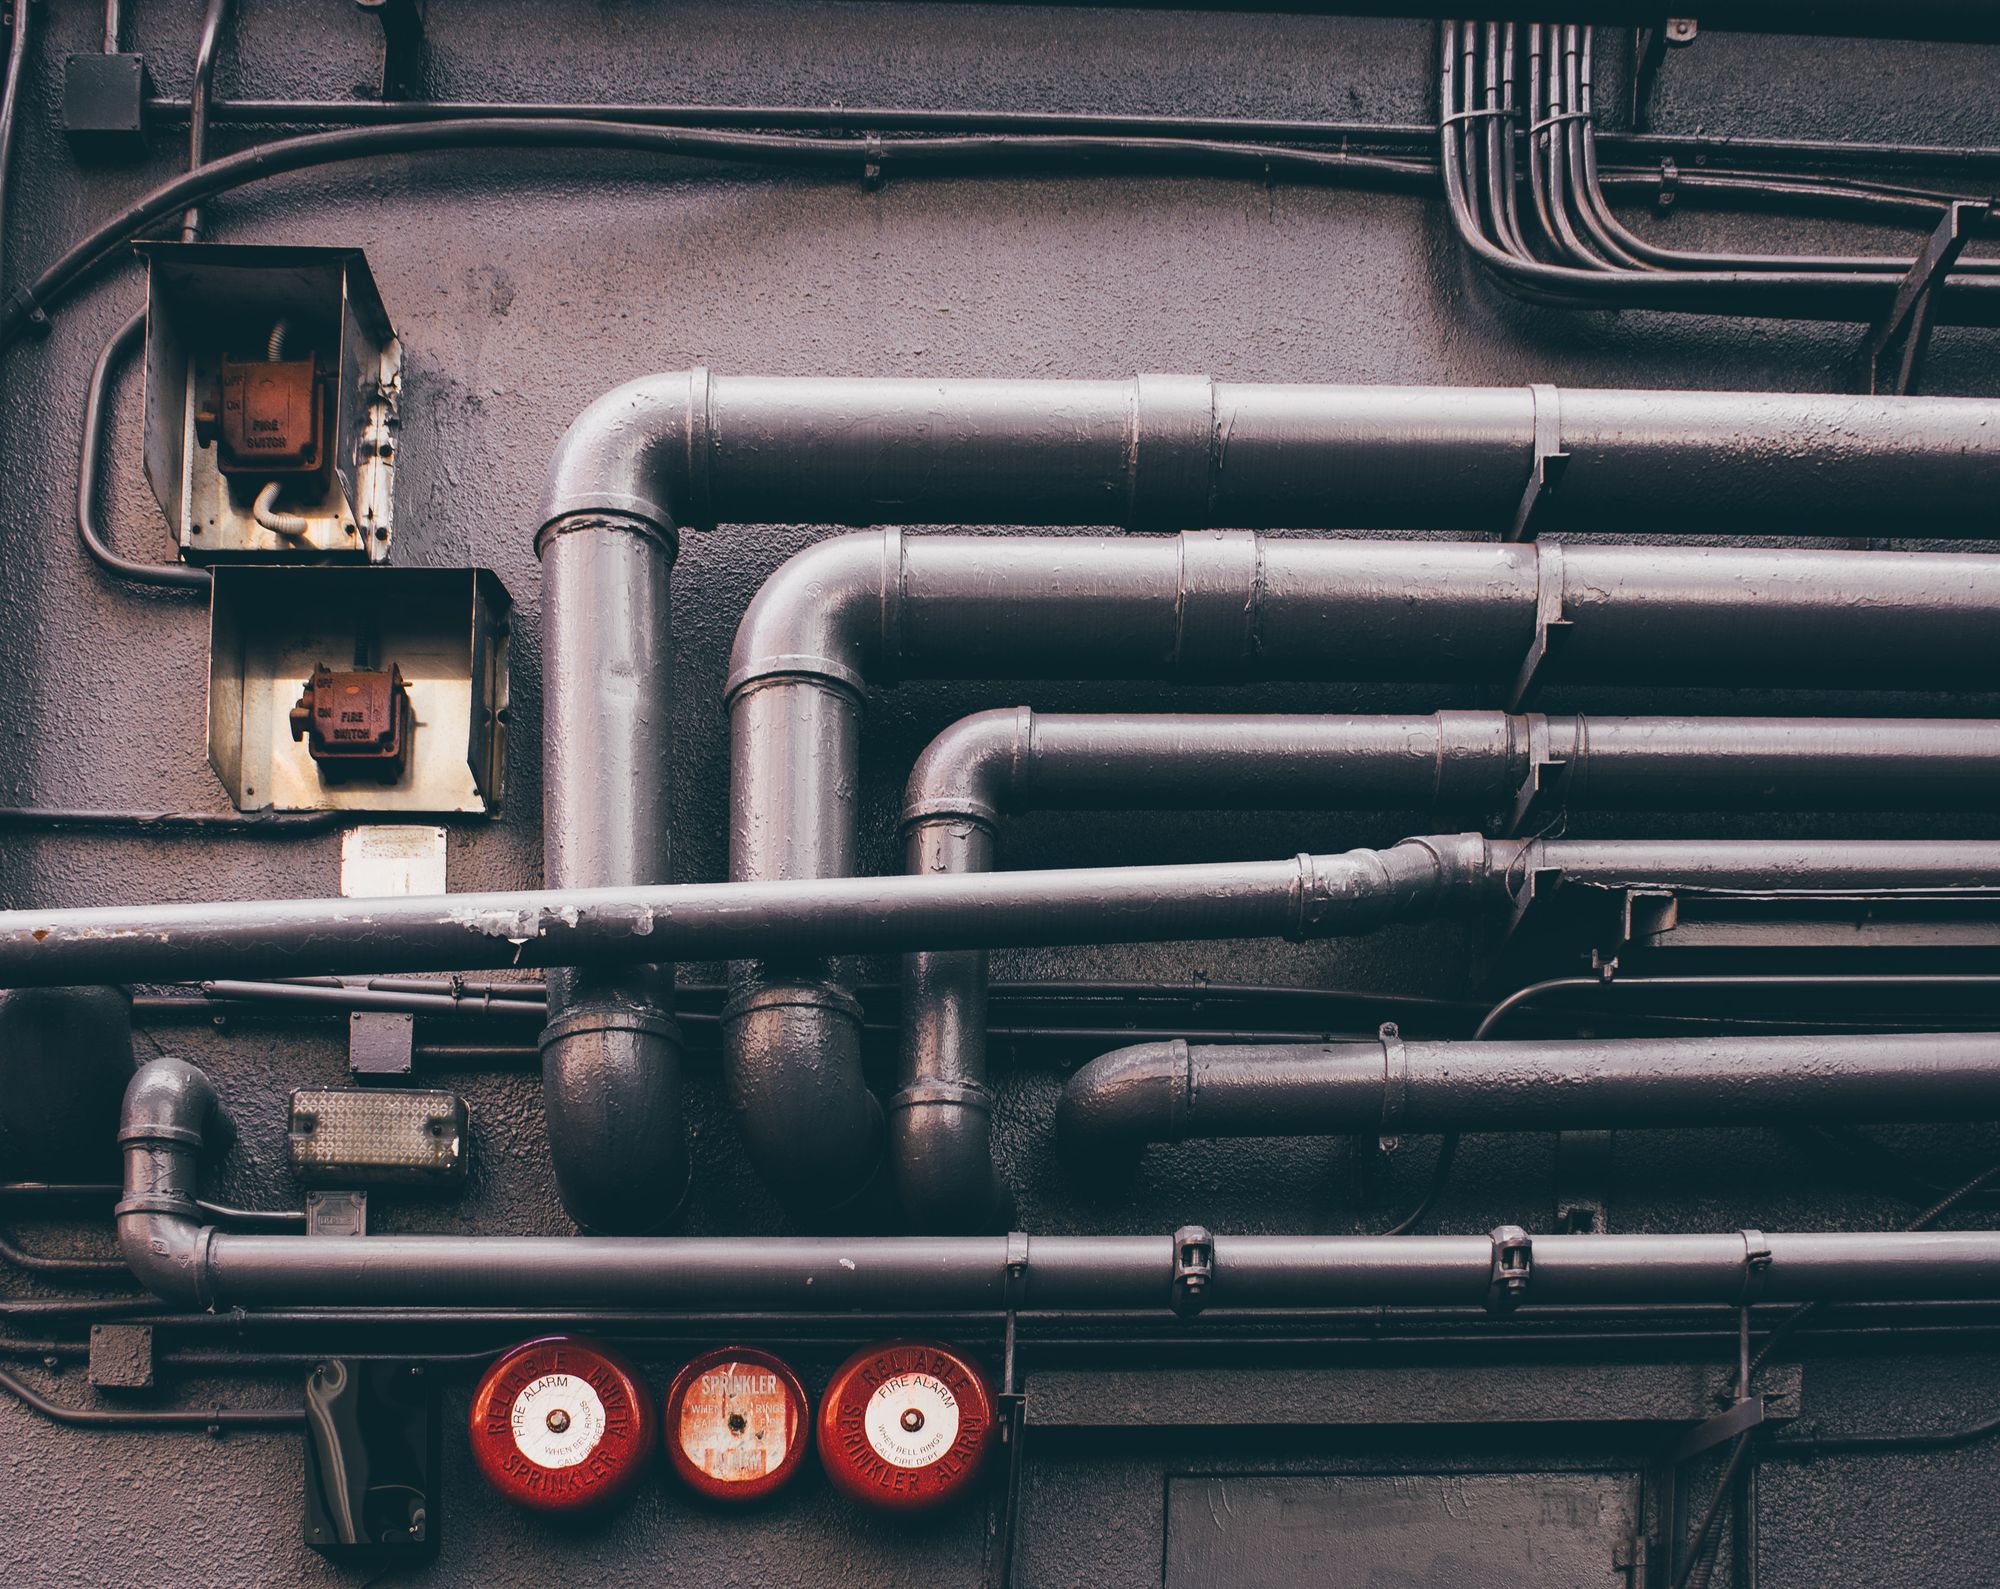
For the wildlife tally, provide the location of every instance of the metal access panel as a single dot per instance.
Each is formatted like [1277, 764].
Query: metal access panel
[444, 629]
[208, 303]
[1401, 1530]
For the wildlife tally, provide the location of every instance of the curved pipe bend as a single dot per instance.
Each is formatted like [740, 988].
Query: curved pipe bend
[170, 1116]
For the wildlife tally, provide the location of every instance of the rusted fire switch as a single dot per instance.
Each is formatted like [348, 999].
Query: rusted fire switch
[356, 725]
[271, 418]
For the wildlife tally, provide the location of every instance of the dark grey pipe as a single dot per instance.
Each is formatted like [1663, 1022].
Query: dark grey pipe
[1161, 451]
[1309, 896]
[170, 1107]
[1184, 451]
[998, 762]
[1173, 1091]
[610, 1051]
[1211, 606]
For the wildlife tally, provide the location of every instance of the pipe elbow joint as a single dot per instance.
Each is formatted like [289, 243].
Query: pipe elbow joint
[810, 1125]
[974, 770]
[171, 1115]
[941, 1151]
[640, 450]
[828, 613]
[612, 1096]
[1122, 1100]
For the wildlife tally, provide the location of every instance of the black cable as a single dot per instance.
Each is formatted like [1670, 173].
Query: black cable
[177, 576]
[859, 157]
[76, 1268]
[152, 1417]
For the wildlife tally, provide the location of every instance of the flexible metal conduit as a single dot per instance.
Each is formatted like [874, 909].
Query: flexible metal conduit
[688, 450]
[170, 1107]
[999, 762]
[1173, 1091]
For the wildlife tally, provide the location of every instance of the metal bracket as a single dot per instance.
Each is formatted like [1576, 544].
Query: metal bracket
[402, 45]
[1897, 345]
[1670, 184]
[1550, 460]
[1583, 1179]
[1551, 625]
[1650, 46]
[1395, 1077]
[1546, 784]
[1194, 1268]
[1513, 1259]
[1756, 1267]
[1013, 1415]
[1741, 1417]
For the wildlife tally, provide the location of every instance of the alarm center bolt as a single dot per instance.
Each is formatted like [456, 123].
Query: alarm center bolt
[737, 1423]
[558, 1421]
[913, 1419]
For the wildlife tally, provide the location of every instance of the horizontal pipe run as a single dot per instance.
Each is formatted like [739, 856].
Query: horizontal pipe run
[1174, 1091]
[1204, 607]
[1085, 1272]
[1306, 897]
[170, 1110]
[692, 449]
[999, 762]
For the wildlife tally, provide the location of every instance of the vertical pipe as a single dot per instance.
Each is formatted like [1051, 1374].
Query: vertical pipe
[610, 1051]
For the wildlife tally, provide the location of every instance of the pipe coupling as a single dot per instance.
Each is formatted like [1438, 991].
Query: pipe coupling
[578, 1022]
[958, 1094]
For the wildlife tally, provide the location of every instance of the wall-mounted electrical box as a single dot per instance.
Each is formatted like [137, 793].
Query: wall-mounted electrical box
[272, 383]
[358, 689]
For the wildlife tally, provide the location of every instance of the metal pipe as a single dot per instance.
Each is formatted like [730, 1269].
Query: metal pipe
[1207, 606]
[999, 762]
[691, 450]
[169, 1107]
[695, 449]
[611, 1052]
[1309, 896]
[1173, 1091]
[214, 20]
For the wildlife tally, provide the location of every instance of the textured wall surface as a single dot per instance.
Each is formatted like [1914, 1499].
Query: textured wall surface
[525, 285]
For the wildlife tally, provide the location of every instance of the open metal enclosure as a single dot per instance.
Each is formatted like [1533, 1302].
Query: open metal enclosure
[1138, 795]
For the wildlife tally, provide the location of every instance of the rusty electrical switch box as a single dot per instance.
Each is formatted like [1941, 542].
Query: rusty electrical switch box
[356, 724]
[271, 417]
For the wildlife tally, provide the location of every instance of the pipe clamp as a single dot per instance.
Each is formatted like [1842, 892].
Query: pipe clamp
[1756, 1267]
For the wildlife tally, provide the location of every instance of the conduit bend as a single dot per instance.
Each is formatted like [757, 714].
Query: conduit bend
[1001, 762]
[689, 450]
[170, 1106]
